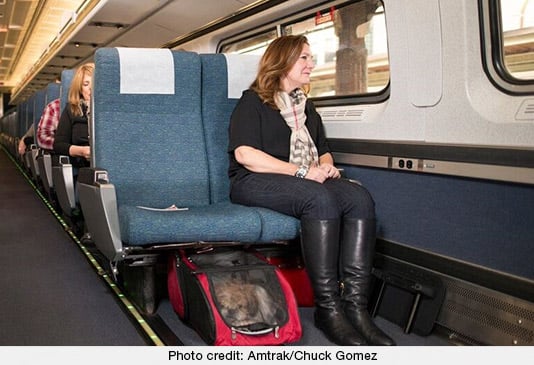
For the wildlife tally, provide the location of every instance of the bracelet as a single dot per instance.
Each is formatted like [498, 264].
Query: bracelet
[302, 172]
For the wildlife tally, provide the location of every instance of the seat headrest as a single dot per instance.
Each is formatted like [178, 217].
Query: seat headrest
[146, 71]
[242, 70]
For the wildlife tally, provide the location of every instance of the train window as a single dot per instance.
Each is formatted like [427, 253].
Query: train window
[348, 41]
[508, 44]
[251, 45]
[517, 29]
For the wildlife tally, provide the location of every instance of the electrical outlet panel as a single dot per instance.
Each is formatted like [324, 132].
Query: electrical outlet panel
[402, 163]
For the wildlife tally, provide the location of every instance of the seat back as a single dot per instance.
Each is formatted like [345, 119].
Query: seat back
[10, 129]
[17, 127]
[66, 80]
[146, 111]
[44, 159]
[62, 171]
[27, 123]
[38, 107]
[53, 91]
[224, 77]
[28, 117]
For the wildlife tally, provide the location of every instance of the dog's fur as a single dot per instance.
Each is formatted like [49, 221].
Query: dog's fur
[244, 304]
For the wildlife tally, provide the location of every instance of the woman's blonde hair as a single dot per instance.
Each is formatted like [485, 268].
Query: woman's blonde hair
[276, 62]
[75, 91]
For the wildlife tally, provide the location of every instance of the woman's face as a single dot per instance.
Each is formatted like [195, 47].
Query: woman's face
[86, 87]
[299, 74]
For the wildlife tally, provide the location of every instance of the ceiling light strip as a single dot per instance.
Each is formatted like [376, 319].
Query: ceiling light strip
[82, 15]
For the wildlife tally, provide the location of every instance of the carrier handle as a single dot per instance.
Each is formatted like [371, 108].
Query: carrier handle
[255, 333]
[232, 268]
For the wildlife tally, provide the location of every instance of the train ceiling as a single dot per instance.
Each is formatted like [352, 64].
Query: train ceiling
[40, 38]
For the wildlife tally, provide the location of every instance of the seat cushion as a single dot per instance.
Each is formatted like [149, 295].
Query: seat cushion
[277, 226]
[215, 222]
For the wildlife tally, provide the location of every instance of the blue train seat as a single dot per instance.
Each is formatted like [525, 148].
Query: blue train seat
[44, 159]
[224, 77]
[150, 151]
[9, 126]
[66, 80]
[62, 172]
[39, 101]
[25, 123]
[14, 133]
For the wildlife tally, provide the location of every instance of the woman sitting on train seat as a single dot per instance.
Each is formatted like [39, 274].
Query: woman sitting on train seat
[46, 129]
[72, 134]
[280, 159]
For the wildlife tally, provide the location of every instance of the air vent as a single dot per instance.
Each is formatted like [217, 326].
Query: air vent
[526, 110]
[487, 316]
[345, 115]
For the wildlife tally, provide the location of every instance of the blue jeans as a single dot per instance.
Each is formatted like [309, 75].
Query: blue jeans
[302, 198]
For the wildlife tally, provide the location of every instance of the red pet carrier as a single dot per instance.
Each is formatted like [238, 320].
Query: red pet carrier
[233, 297]
[291, 265]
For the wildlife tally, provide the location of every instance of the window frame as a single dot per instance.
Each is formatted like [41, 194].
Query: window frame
[492, 52]
[257, 32]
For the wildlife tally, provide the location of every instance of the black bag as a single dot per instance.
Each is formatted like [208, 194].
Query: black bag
[407, 296]
[233, 297]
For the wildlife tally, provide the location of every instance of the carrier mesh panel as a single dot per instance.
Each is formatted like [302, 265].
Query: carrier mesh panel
[245, 290]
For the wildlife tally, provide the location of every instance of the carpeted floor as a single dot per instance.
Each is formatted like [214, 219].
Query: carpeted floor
[50, 295]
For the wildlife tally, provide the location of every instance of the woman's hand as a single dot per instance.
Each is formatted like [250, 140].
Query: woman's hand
[331, 171]
[80, 151]
[317, 174]
[21, 147]
[86, 152]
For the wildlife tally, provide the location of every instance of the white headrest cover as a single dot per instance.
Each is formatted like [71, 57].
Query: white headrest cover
[242, 70]
[146, 71]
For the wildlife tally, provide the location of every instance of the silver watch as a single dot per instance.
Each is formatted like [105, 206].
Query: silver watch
[302, 171]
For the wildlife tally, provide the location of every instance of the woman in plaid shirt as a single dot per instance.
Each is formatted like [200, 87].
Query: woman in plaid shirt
[46, 129]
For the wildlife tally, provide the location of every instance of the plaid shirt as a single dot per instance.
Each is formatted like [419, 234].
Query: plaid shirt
[48, 124]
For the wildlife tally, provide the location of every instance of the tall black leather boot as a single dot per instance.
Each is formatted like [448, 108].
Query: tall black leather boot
[320, 250]
[357, 251]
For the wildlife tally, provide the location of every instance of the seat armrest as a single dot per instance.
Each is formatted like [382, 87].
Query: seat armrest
[98, 201]
[44, 161]
[63, 181]
[92, 176]
[26, 158]
[34, 167]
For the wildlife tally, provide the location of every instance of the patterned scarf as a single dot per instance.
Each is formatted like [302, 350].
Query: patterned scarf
[292, 108]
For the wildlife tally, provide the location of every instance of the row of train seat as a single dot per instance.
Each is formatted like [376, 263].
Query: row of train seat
[14, 124]
[43, 159]
[159, 138]
[9, 131]
[49, 172]
[62, 173]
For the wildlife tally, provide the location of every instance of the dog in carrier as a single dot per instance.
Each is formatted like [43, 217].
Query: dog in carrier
[245, 303]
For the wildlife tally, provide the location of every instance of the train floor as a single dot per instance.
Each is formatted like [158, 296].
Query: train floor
[53, 293]
[50, 294]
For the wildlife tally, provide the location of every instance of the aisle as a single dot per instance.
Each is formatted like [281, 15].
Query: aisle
[50, 295]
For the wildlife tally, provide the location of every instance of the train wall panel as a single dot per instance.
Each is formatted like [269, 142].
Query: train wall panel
[481, 222]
